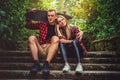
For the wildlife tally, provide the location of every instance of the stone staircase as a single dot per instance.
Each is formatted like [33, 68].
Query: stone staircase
[99, 65]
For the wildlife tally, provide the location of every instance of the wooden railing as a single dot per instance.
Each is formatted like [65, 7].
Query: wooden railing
[112, 43]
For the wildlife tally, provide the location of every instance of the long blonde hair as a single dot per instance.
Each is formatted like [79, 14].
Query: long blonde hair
[67, 27]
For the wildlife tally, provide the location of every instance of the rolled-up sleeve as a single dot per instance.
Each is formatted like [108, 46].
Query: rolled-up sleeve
[31, 25]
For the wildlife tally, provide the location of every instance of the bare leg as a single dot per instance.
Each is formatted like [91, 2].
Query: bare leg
[53, 48]
[34, 47]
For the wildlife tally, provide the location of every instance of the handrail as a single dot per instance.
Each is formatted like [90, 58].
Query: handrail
[106, 39]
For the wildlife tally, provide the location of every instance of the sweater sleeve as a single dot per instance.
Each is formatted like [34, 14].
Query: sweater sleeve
[75, 30]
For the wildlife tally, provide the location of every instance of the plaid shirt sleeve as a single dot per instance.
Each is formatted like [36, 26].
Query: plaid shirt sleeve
[31, 25]
[74, 30]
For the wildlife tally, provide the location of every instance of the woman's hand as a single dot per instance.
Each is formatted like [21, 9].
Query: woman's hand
[79, 35]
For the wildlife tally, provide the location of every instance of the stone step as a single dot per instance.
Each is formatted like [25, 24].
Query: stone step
[90, 54]
[59, 60]
[15, 53]
[59, 66]
[86, 75]
[36, 79]
[98, 65]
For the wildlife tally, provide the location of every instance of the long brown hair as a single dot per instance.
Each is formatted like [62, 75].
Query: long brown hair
[67, 27]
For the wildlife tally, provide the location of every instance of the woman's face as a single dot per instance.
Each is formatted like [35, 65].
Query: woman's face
[61, 22]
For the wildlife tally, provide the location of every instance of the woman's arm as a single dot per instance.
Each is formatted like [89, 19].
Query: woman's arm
[58, 31]
[65, 41]
[62, 37]
[79, 35]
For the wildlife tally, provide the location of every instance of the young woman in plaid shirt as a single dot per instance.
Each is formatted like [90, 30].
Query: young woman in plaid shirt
[70, 35]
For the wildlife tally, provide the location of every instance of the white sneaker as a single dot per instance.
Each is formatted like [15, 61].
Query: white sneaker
[66, 68]
[79, 69]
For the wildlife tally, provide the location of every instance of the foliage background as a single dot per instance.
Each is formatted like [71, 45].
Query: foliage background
[99, 19]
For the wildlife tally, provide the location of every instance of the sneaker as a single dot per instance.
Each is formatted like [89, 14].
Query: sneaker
[66, 68]
[79, 69]
[46, 69]
[35, 68]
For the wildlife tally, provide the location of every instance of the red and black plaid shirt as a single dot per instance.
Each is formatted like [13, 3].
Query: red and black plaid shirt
[74, 31]
[43, 30]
